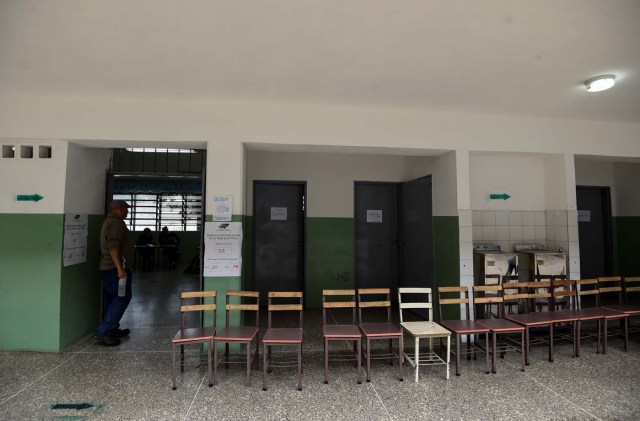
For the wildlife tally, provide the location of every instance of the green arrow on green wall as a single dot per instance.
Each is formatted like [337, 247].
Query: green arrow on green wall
[503, 196]
[29, 197]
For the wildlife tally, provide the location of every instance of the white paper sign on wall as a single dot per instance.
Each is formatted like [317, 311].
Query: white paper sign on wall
[75, 239]
[222, 207]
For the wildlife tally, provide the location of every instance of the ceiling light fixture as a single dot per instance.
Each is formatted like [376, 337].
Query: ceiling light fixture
[600, 83]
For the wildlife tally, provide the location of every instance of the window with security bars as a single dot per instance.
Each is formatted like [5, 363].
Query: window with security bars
[178, 212]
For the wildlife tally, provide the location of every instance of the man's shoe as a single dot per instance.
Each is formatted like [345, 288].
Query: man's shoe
[108, 340]
[119, 333]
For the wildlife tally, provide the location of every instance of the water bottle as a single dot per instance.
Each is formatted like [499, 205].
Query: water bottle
[122, 287]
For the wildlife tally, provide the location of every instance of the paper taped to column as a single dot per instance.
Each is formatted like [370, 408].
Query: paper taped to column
[222, 249]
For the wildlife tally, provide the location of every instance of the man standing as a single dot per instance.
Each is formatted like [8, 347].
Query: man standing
[116, 245]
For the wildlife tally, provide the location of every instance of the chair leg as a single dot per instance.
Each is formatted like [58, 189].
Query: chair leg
[359, 360]
[269, 358]
[526, 339]
[181, 358]
[493, 352]
[300, 367]
[226, 355]
[522, 356]
[401, 357]
[417, 355]
[215, 362]
[486, 352]
[599, 336]
[173, 365]
[448, 354]
[209, 348]
[391, 351]
[626, 332]
[457, 355]
[264, 366]
[604, 338]
[551, 342]
[249, 363]
[326, 360]
[577, 339]
[368, 359]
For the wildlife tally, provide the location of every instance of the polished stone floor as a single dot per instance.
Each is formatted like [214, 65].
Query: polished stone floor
[133, 381]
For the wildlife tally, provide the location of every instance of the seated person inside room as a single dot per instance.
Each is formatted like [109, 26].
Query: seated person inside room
[170, 243]
[144, 251]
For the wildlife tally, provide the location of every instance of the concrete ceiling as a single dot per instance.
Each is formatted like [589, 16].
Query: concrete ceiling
[522, 57]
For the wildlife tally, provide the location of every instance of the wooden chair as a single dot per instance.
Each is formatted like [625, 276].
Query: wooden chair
[609, 296]
[514, 294]
[380, 330]
[544, 302]
[340, 332]
[200, 335]
[423, 329]
[462, 327]
[487, 295]
[238, 334]
[287, 336]
[630, 307]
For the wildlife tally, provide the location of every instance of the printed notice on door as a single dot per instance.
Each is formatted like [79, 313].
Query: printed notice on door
[222, 249]
[374, 216]
[75, 239]
[278, 214]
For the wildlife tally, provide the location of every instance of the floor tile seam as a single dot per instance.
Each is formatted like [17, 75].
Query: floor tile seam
[186, 416]
[380, 399]
[626, 354]
[43, 376]
[514, 366]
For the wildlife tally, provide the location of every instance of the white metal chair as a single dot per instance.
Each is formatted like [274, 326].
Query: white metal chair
[423, 329]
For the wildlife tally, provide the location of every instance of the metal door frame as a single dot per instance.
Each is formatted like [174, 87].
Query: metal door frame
[304, 229]
[398, 184]
[605, 195]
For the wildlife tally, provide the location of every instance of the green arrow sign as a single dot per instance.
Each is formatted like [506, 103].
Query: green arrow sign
[28, 197]
[503, 196]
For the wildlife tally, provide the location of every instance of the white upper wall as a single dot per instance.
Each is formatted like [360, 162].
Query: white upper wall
[622, 177]
[43, 176]
[627, 182]
[107, 123]
[329, 177]
[86, 180]
[520, 176]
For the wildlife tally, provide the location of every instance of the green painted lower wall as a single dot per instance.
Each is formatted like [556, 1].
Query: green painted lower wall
[626, 245]
[80, 291]
[446, 260]
[330, 257]
[30, 258]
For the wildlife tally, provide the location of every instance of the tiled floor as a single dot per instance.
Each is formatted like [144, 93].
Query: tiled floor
[133, 381]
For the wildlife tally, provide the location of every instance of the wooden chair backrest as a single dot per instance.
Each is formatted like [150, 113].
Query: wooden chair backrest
[611, 285]
[426, 304]
[296, 295]
[480, 298]
[244, 296]
[516, 291]
[201, 307]
[565, 288]
[631, 284]
[326, 304]
[386, 303]
[453, 301]
[587, 287]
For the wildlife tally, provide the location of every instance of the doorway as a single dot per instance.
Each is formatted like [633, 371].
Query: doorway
[393, 234]
[377, 234]
[594, 230]
[279, 236]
